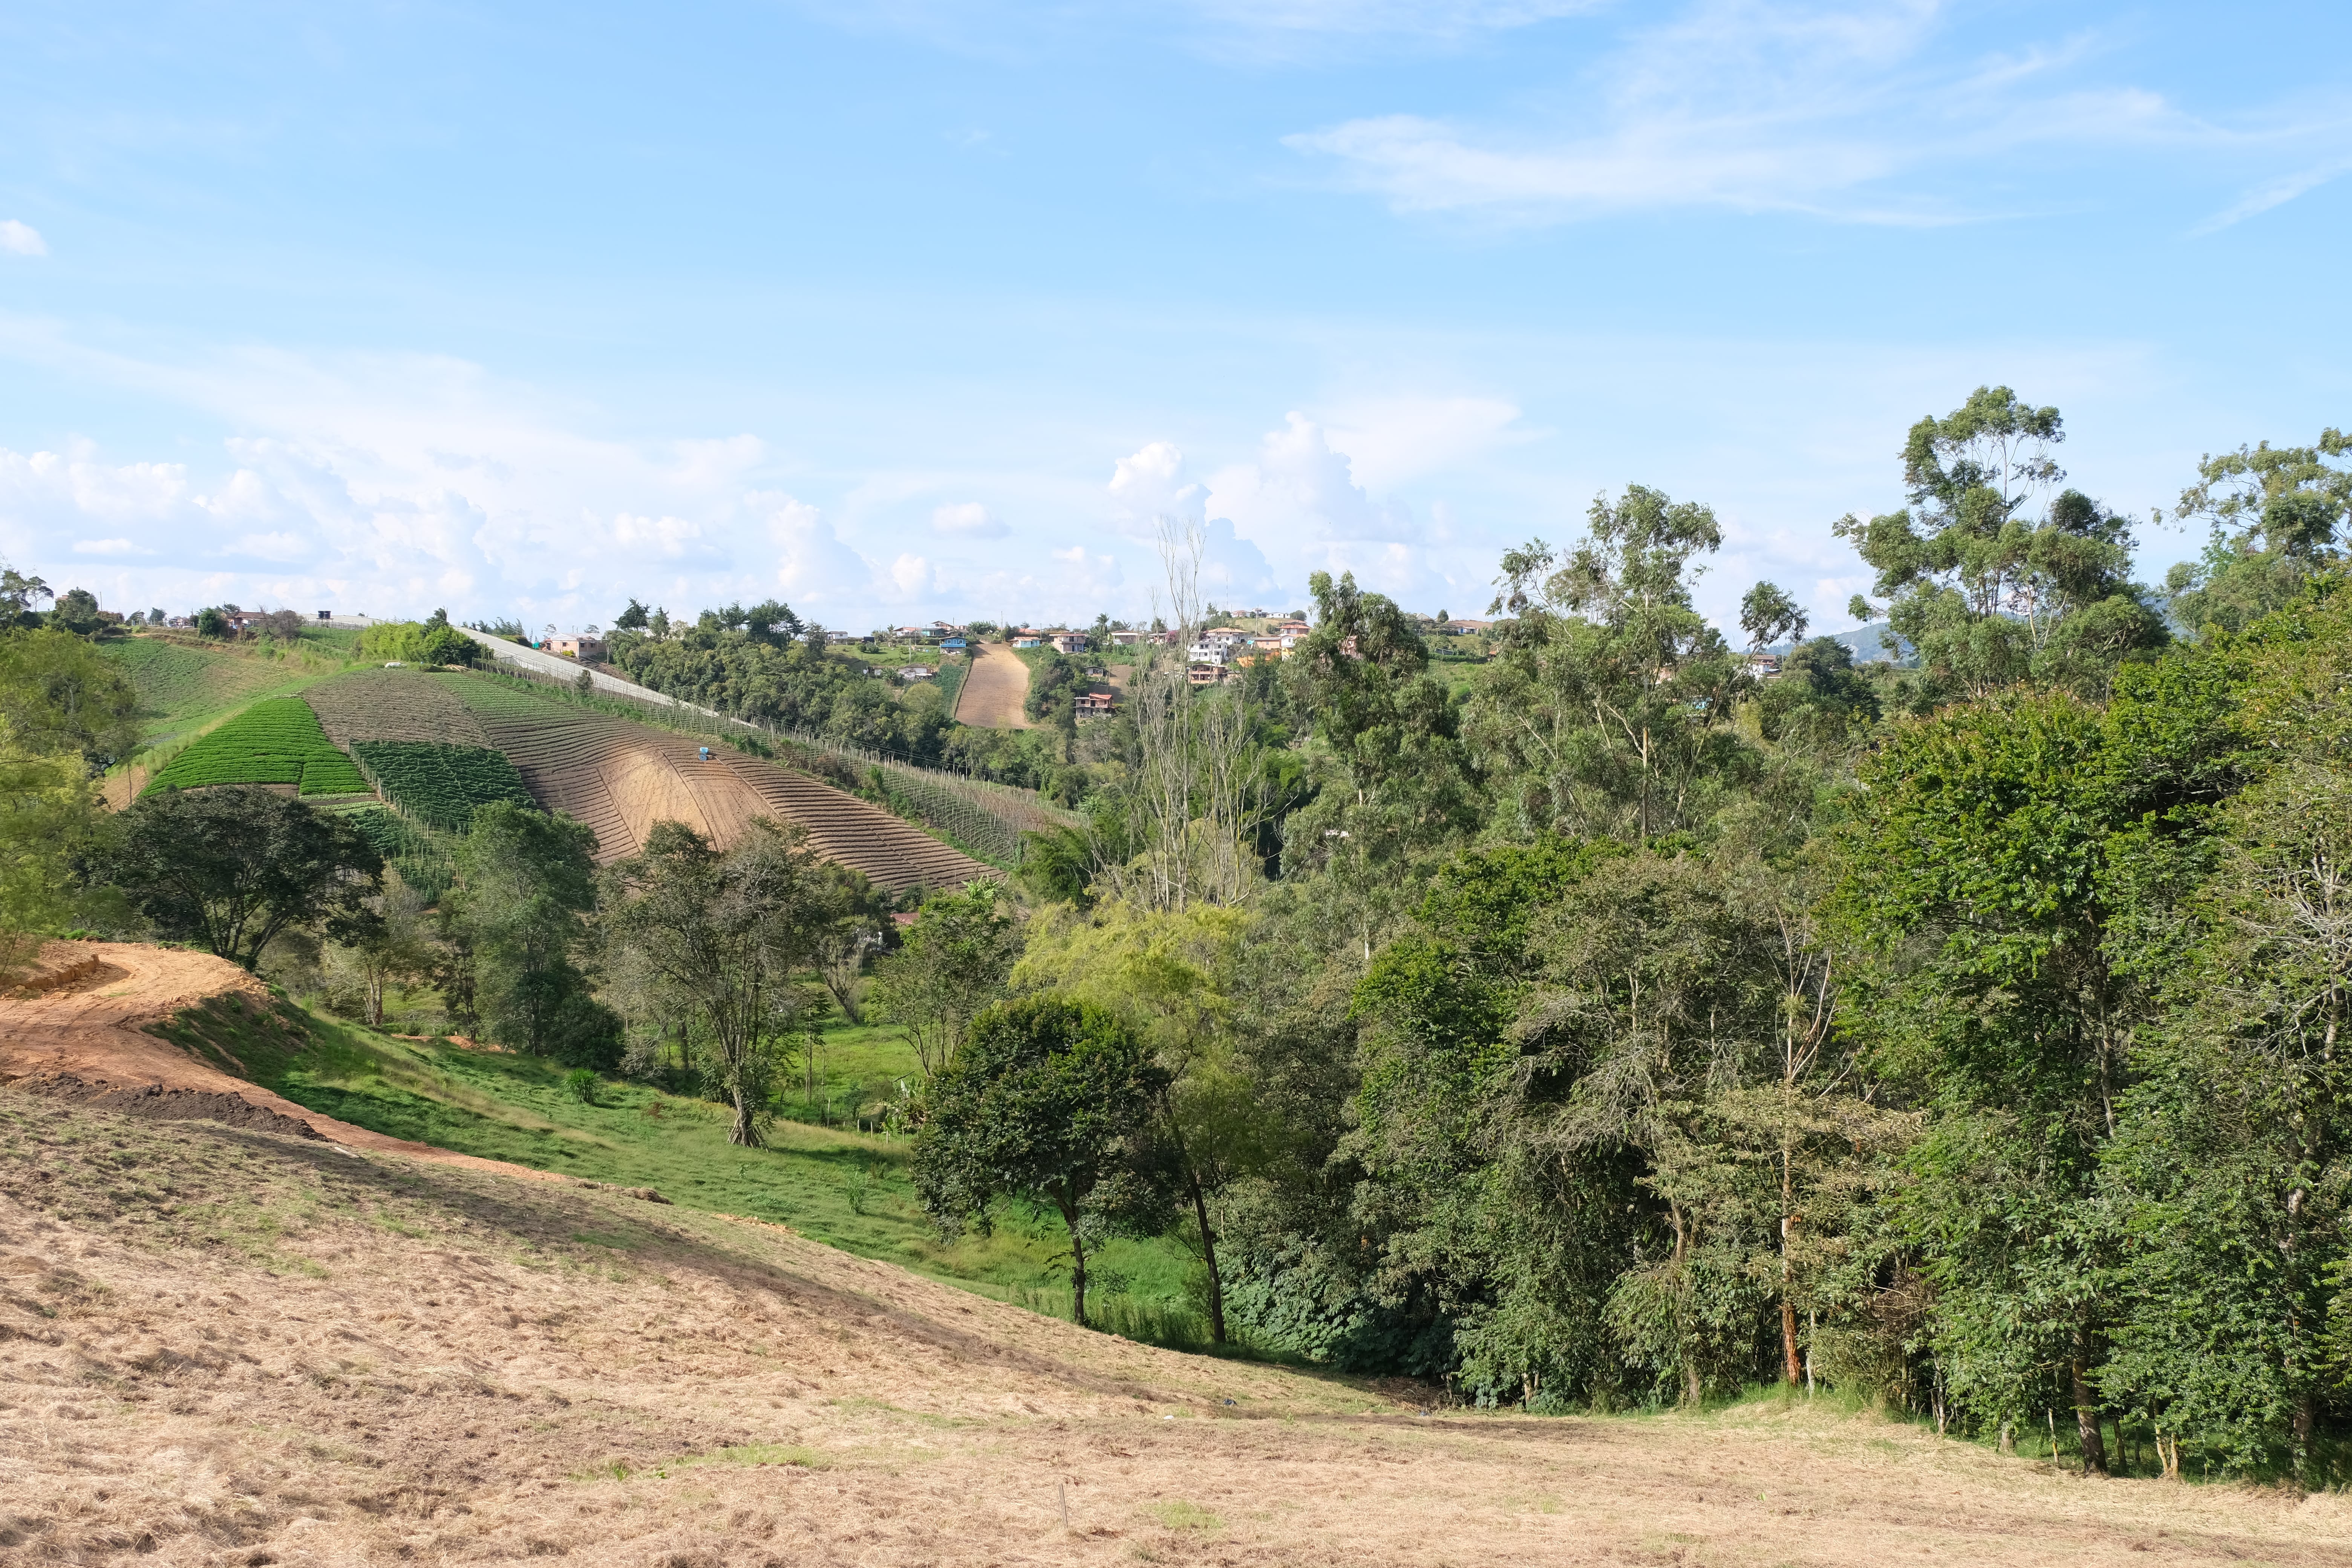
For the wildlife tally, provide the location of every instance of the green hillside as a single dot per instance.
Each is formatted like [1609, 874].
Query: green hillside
[847, 1189]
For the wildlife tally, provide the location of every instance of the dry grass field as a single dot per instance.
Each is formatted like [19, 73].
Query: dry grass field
[995, 690]
[222, 1347]
[238, 1345]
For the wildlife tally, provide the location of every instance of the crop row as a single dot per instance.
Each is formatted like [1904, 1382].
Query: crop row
[442, 784]
[275, 742]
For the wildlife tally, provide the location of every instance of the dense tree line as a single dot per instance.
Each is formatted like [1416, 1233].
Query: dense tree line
[1964, 1030]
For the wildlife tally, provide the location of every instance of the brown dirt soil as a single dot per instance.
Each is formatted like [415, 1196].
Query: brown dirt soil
[993, 690]
[393, 705]
[621, 778]
[92, 1030]
[221, 1347]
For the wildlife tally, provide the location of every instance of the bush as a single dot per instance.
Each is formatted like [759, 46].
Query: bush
[581, 1083]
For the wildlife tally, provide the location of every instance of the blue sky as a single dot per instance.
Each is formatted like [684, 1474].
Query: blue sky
[926, 307]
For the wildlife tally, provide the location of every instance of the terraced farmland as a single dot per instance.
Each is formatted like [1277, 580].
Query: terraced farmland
[394, 705]
[441, 784]
[275, 742]
[419, 860]
[620, 778]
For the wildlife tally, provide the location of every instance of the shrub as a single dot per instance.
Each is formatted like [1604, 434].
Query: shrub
[581, 1083]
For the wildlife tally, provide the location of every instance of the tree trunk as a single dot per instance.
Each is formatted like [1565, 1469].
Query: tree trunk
[2086, 1410]
[1209, 1257]
[1077, 1271]
[746, 1131]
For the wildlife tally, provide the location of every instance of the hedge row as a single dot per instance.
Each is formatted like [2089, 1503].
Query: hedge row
[275, 742]
[442, 784]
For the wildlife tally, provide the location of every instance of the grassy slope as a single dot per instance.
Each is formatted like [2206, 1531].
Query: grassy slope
[847, 1189]
[184, 688]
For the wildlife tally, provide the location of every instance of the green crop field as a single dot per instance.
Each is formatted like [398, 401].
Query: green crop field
[442, 784]
[275, 742]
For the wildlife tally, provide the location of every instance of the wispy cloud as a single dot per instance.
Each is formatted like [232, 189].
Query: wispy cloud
[2273, 194]
[1859, 112]
[21, 238]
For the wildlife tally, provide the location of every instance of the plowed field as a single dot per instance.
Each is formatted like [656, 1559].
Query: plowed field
[393, 705]
[994, 692]
[620, 778]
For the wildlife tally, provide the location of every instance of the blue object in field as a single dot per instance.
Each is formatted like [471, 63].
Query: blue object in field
[706, 753]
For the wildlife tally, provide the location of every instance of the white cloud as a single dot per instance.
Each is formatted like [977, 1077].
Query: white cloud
[1394, 441]
[968, 519]
[21, 238]
[2273, 194]
[104, 547]
[911, 576]
[666, 536]
[1863, 112]
[279, 547]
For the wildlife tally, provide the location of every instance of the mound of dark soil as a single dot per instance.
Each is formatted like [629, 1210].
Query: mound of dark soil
[168, 1104]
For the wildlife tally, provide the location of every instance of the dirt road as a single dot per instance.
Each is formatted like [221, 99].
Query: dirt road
[994, 689]
[90, 1021]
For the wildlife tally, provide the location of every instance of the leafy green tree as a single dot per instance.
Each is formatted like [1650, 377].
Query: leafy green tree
[60, 695]
[18, 596]
[723, 932]
[953, 962]
[1820, 698]
[1169, 973]
[1976, 893]
[76, 612]
[1979, 590]
[1609, 712]
[1050, 1101]
[527, 882]
[1769, 613]
[211, 623]
[1394, 779]
[46, 807]
[233, 866]
[2275, 515]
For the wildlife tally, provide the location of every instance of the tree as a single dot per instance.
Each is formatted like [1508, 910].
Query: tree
[1050, 1101]
[952, 963]
[1768, 614]
[1982, 592]
[384, 950]
[76, 612]
[211, 623]
[232, 867]
[1609, 713]
[60, 695]
[18, 595]
[526, 881]
[1168, 974]
[723, 932]
[2274, 514]
[632, 619]
[1976, 893]
[45, 805]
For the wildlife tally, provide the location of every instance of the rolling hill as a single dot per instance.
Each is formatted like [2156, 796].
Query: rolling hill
[619, 776]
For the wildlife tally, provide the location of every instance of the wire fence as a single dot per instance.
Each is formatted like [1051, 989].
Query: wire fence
[981, 817]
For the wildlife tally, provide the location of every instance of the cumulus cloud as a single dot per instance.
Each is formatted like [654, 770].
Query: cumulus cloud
[104, 547]
[968, 519]
[21, 238]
